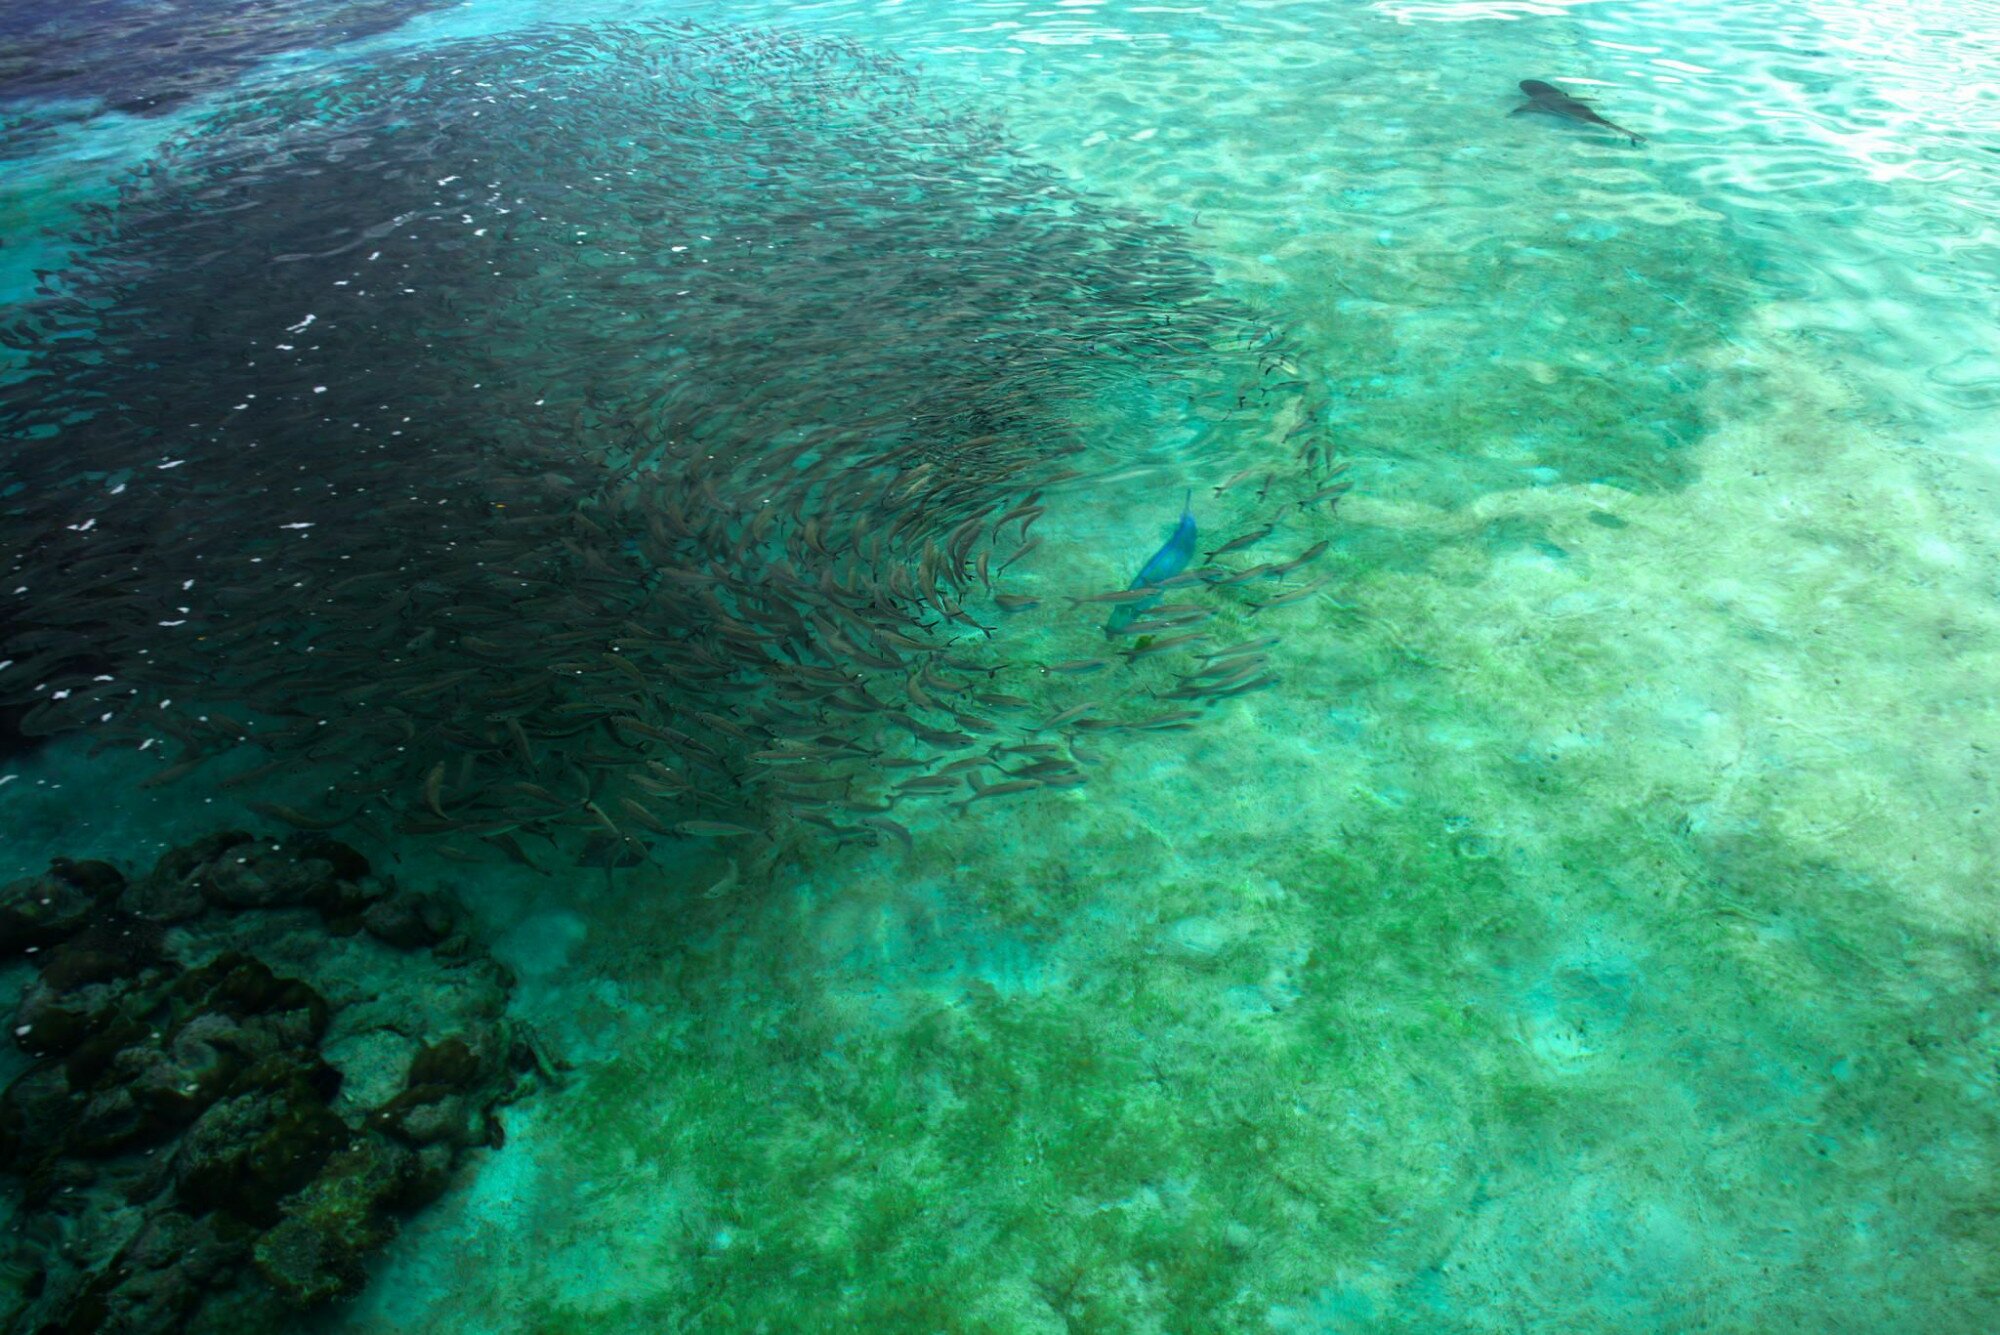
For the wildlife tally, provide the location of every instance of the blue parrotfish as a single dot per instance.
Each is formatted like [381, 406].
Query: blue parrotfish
[1163, 565]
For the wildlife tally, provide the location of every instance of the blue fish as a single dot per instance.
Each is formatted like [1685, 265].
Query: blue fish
[1163, 565]
[1173, 557]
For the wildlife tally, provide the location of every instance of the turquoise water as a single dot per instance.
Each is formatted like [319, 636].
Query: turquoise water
[1583, 920]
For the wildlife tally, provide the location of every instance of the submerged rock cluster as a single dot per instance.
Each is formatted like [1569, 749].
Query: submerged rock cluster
[236, 1074]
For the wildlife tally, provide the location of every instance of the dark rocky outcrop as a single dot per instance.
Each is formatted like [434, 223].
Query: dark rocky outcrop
[244, 1069]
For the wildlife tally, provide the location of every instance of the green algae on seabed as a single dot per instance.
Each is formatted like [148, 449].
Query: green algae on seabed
[1580, 972]
[1149, 1151]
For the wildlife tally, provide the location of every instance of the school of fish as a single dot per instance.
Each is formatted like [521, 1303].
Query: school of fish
[638, 435]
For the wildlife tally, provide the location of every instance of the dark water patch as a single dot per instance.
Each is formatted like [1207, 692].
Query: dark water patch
[146, 57]
[619, 434]
[1556, 350]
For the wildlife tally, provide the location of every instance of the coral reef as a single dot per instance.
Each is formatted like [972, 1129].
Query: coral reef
[240, 1071]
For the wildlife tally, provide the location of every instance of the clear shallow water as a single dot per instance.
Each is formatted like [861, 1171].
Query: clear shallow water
[1591, 931]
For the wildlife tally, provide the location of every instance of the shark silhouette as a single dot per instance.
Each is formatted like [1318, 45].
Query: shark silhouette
[1549, 98]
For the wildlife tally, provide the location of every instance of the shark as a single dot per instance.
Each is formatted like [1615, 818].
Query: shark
[1549, 98]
